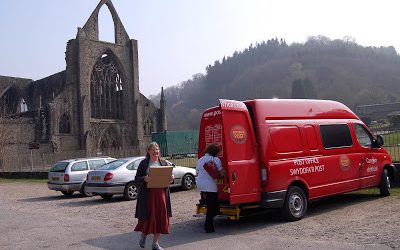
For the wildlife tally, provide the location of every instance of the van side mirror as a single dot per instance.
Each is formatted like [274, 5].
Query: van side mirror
[378, 142]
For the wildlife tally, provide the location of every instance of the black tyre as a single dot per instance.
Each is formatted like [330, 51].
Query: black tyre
[84, 192]
[67, 193]
[131, 191]
[384, 184]
[106, 196]
[187, 182]
[295, 206]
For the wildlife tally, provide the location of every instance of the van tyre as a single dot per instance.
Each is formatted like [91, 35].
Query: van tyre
[384, 184]
[84, 192]
[131, 191]
[295, 205]
[187, 182]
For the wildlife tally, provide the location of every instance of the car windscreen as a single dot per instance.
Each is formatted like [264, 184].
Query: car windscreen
[112, 165]
[59, 167]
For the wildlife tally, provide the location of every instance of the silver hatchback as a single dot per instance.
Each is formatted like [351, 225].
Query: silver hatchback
[118, 177]
[69, 176]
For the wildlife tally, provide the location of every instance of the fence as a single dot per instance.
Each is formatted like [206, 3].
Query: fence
[391, 137]
[35, 162]
[38, 162]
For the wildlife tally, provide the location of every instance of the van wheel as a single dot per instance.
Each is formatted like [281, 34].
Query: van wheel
[187, 182]
[106, 196]
[295, 205]
[67, 193]
[84, 192]
[131, 191]
[384, 184]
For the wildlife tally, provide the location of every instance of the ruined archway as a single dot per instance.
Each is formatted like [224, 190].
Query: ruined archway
[106, 89]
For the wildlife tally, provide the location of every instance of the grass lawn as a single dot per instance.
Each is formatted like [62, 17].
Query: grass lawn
[375, 191]
[23, 180]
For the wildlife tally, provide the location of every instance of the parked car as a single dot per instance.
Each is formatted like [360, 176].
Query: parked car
[69, 176]
[118, 177]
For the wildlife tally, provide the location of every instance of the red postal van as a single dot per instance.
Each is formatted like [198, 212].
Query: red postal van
[283, 153]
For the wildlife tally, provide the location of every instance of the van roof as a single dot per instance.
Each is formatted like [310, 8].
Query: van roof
[278, 109]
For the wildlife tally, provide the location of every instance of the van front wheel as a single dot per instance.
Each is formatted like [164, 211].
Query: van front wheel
[295, 205]
[384, 185]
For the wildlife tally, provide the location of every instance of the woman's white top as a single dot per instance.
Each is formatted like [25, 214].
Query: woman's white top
[204, 182]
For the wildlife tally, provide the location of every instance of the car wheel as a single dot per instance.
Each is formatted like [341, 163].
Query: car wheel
[84, 192]
[106, 196]
[131, 191]
[187, 182]
[67, 193]
[295, 205]
[384, 184]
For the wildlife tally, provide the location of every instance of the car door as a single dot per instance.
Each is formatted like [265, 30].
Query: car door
[368, 167]
[79, 171]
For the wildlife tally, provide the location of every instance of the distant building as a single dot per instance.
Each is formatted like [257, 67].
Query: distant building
[92, 107]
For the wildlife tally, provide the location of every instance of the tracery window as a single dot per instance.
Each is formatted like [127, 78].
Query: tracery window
[106, 90]
[64, 125]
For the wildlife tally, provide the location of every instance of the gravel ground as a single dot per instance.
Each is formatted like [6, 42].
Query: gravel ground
[33, 217]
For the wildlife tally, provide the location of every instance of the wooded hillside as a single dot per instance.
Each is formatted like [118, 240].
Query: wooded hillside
[320, 68]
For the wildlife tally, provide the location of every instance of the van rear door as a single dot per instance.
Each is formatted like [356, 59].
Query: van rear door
[240, 153]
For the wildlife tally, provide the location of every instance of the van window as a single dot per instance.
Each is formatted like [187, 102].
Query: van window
[336, 136]
[286, 139]
[363, 137]
[80, 166]
[311, 137]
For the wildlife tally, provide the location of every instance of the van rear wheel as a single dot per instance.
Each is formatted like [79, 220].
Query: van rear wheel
[384, 184]
[295, 205]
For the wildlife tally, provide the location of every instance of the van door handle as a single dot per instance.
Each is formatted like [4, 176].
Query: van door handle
[233, 177]
[362, 159]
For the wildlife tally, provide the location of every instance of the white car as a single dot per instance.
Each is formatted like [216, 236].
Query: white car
[69, 176]
[118, 177]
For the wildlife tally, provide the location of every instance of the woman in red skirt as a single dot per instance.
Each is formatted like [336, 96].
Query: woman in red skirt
[153, 206]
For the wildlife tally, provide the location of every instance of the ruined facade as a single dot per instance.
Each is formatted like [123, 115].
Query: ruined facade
[94, 106]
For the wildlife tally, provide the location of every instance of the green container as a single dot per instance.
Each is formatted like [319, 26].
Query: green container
[177, 144]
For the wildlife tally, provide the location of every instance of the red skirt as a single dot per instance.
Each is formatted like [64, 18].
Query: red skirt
[158, 222]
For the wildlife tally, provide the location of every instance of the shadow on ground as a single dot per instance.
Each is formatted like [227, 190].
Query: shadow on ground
[192, 230]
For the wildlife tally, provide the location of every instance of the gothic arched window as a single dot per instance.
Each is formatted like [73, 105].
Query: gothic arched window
[106, 86]
[64, 125]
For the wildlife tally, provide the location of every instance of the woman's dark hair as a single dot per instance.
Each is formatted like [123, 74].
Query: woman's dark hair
[212, 149]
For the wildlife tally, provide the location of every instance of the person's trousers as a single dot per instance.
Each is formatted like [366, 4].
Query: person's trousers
[212, 210]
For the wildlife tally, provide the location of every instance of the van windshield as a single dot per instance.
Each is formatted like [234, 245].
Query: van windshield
[112, 165]
[59, 167]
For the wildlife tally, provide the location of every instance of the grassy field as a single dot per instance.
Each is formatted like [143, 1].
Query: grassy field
[185, 162]
[392, 138]
[22, 180]
[367, 191]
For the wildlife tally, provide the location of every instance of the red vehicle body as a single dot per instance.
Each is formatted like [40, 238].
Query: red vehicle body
[283, 153]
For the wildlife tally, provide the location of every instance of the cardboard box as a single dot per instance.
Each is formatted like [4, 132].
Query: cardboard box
[160, 177]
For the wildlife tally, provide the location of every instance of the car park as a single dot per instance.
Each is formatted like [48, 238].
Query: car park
[69, 176]
[118, 177]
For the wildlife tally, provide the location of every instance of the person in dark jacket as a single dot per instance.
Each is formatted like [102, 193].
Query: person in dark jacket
[153, 206]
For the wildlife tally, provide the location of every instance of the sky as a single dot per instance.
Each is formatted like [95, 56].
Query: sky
[180, 38]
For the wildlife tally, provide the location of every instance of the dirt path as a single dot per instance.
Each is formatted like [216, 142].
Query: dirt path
[32, 217]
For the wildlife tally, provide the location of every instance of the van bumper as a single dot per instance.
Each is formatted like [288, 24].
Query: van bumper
[273, 199]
